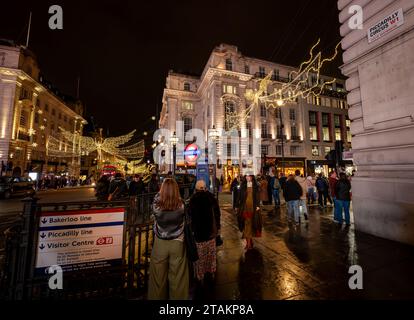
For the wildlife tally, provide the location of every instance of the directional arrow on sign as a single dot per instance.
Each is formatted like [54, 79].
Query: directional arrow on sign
[42, 246]
[42, 235]
[44, 220]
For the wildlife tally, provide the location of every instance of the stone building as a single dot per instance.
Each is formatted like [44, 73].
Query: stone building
[307, 128]
[31, 111]
[379, 63]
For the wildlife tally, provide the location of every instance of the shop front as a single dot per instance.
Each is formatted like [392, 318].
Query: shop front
[288, 165]
[325, 167]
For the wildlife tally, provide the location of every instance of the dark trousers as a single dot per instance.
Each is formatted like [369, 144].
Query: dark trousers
[322, 197]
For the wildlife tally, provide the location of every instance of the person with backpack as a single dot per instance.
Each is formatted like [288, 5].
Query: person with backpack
[322, 187]
[293, 193]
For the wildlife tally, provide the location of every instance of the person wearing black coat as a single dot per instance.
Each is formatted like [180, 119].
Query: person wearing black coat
[204, 212]
[343, 197]
[293, 192]
[102, 188]
[136, 187]
[118, 187]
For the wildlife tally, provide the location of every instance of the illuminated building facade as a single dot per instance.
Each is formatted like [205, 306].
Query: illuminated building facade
[31, 111]
[309, 128]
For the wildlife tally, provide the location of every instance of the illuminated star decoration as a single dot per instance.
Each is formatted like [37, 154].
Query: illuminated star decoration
[31, 132]
[42, 127]
[298, 86]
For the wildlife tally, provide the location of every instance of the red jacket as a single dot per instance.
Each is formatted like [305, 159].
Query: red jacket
[332, 186]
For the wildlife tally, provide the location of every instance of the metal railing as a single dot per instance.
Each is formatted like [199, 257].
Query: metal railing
[18, 280]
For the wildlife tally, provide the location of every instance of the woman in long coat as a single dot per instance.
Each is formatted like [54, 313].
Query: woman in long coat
[249, 211]
[264, 196]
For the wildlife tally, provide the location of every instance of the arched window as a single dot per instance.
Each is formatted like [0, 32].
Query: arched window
[186, 86]
[229, 64]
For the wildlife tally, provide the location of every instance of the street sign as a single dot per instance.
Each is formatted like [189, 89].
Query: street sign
[79, 240]
[347, 155]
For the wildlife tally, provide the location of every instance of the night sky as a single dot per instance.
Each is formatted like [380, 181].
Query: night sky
[122, 50]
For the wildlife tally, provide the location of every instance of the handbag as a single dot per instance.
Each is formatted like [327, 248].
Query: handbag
[189, 239]
[111, 195]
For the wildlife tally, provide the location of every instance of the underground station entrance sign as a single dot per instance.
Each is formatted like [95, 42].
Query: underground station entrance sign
[80, 240]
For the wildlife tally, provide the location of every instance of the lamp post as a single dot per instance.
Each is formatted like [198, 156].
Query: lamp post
[280, 103]
[214, 136]
[174, 141]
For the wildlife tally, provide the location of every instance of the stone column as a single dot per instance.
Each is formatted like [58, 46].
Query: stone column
[381, 95]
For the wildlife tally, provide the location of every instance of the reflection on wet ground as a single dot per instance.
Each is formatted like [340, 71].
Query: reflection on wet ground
[308, 262]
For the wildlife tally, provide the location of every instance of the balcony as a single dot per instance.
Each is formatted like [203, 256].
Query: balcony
[296, 138]
[23, 136]
[267, 136]
[280, 137]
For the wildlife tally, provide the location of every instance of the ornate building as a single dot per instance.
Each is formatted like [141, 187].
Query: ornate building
[295, 136]
[31, 111]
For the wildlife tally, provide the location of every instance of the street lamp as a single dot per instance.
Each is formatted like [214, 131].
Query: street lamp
[174, 141]
[280, 103]
[214, 136]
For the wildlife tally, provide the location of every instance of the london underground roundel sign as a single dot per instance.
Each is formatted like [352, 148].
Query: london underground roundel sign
[191, 153]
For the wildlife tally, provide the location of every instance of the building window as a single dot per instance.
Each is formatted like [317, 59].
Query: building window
[229, 89]
[246, 69]
[348, 136]
[188, 105]
[325, 133]
[348, 123]
[262, 72]
[313, 133]
[294, 150]
[325, 119]
[186, 86]
[265, 150]
[36, 118]
[312, 118]
[46, 107]
[60, 116]
[65, 119]
[276, 74]
[53, 112]
[264, 130]
[278, 150]
[327, 150]
[315, 151]
[263, 111]
[279, 131]
[292, 114]
[338, 136]
[278, 113]
[250, 149]
[52, 126]
[23, 118]
[249, 128]
[294, 133]
[229, 64]
[188, 124]
[337, 120]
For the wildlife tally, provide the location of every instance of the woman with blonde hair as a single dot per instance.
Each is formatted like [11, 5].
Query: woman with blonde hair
[169, 272]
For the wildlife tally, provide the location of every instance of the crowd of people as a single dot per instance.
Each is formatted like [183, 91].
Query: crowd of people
[299, 192]
[172, 272]
[57, 182]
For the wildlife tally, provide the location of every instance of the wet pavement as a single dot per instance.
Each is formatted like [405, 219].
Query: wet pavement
[309, 262]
